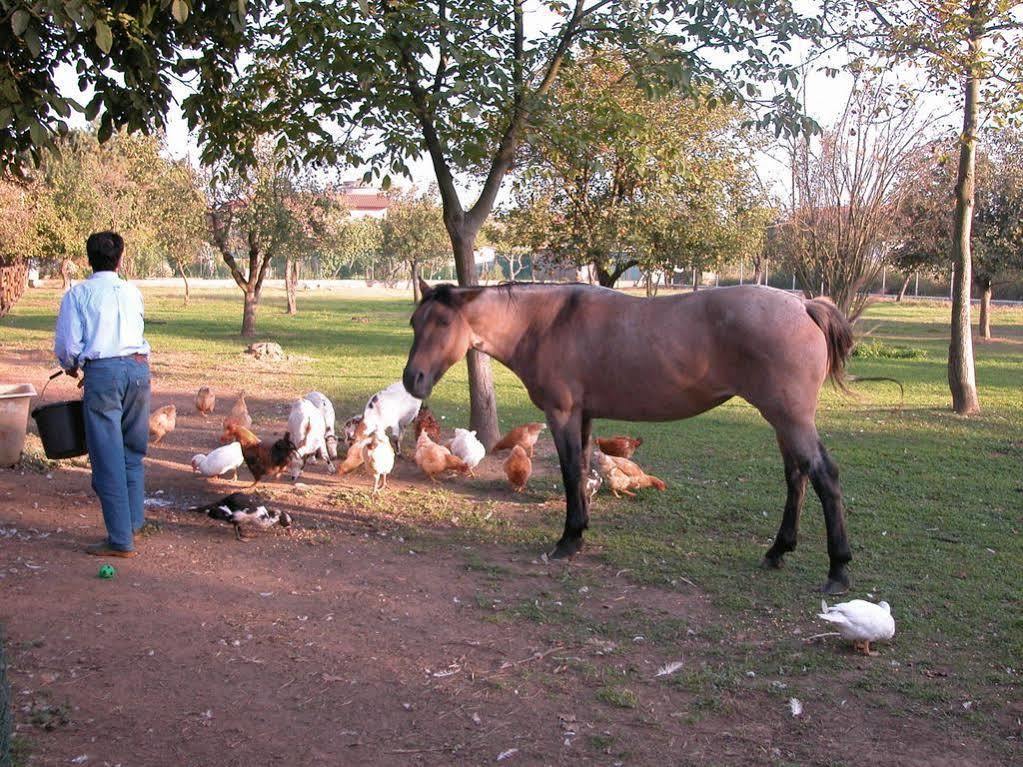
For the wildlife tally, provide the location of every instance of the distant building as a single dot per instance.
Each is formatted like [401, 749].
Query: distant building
[363, 201]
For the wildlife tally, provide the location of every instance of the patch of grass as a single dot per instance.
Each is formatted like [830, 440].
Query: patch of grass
[49, 716]
[620, 697]
[878, 350]
[602, 743]
[474, 563]
[21, 751]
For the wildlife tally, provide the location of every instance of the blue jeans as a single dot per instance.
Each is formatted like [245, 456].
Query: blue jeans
[117, 432]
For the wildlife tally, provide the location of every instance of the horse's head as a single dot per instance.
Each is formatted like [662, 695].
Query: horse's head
[442, 337]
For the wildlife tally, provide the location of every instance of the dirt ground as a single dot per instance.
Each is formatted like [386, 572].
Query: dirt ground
[346, 643]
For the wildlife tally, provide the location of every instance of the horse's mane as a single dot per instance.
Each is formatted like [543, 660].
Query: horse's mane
[447, 295]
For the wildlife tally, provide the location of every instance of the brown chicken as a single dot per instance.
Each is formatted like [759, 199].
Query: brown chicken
[355, 457]
[623, 475]
[239, 415]
[619, 445]
[518, 468]
[525, 436]
[205, 401]
[435, 459]
[162, 423]
[235, 433]
[427, 422]
[268, 460]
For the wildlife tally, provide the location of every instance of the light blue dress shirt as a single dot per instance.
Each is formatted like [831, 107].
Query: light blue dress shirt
[100, 317]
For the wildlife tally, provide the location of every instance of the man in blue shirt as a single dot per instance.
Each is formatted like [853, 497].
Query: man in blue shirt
[100, 332]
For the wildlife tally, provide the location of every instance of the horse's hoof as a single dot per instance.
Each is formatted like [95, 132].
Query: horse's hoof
[834, 588]
[772, 563]
[566, 549]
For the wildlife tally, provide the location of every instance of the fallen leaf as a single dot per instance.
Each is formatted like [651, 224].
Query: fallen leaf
[796, 706]
[507, 754]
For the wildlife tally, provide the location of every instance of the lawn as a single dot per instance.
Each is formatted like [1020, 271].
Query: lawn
[934, 501]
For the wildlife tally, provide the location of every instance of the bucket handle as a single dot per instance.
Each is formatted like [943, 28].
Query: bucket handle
[52, 376]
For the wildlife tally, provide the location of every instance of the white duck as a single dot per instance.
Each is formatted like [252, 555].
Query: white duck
[860, 621]
[378, 456]
[219, 461]
[467, 447]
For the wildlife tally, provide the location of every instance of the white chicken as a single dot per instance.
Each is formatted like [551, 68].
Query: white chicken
[378, 457]
[860, 622]
[220, 461]
[468, 448]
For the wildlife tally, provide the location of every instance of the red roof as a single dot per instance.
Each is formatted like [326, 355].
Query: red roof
[364, 201]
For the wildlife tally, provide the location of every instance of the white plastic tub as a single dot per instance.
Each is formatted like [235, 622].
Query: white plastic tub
[14, 402]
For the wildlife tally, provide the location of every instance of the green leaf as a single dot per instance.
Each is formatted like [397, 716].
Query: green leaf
[106, 128]
[37, 132]
[92, 110]
[19, 21]
[179, 8]
[104, 37]
[32, 42]
[385, 183]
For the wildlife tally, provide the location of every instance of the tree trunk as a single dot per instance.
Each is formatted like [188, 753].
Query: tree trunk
[249, 313]
[961, 375]
[902, 290]
[482, 402]
[414, 269]
[985, 307]
[696, 279]
[605, 278]
[184, 276]
[291, 284]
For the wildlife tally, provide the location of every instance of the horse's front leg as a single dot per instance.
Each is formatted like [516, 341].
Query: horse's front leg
[567, 429]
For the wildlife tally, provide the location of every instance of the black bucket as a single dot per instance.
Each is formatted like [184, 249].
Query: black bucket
[61, 427]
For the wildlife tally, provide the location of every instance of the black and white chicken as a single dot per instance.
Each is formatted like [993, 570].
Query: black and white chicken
[244, 512]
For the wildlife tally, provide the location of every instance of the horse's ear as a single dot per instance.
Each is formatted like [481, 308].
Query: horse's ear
[424, 289]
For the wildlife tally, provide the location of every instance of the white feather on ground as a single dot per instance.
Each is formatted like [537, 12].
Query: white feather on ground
[669, 668]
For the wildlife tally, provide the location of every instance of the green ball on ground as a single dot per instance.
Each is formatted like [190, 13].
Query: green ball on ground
[107, 572]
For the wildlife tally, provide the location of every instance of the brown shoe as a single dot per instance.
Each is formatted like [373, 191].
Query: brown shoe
[104, 549]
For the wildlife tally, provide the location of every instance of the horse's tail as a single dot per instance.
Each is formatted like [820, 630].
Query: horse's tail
[838, 335]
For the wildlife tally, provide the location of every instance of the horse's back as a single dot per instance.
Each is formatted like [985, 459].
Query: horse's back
[675, 356]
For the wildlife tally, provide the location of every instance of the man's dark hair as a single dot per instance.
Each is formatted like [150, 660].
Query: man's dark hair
[104, 250]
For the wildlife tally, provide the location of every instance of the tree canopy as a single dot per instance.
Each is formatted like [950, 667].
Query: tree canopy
[413, 233]
[125, 55]
[615, 177]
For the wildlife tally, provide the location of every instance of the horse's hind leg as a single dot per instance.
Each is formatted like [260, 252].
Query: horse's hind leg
[785, 541]
[824, 476]
[805, 456]
[567, 429]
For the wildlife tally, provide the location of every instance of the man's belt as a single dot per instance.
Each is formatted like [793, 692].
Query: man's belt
[143, 358]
